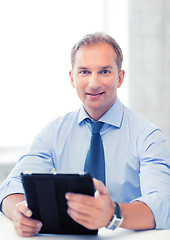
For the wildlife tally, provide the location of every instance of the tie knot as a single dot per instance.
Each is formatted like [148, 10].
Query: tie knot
[96, 126]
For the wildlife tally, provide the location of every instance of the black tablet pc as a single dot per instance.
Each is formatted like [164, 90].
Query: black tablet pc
[45, 195]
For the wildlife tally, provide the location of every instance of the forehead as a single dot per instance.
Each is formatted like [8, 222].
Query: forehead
[100, 53]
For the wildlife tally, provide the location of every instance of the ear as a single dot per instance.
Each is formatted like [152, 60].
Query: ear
[121, 78]
[72, 80]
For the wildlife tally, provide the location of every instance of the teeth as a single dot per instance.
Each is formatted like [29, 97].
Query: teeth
[94, 94]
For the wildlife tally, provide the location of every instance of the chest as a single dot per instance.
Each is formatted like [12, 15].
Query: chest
[121, 159]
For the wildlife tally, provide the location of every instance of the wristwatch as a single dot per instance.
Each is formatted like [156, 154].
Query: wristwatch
[117, 219]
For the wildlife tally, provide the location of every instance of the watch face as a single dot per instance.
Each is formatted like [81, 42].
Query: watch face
[115, 222]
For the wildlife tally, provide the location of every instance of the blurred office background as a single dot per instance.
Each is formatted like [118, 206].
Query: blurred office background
[36, 37]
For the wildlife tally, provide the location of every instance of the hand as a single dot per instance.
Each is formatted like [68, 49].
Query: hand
[24, 225]
[91, 212]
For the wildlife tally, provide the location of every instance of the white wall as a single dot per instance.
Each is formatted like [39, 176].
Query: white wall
[149, 63]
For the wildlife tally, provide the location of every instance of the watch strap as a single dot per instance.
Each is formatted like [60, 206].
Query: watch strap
[117, 210]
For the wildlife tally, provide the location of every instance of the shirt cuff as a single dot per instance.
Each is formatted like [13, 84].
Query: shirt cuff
[9, 187]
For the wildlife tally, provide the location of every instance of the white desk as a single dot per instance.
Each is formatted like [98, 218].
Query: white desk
[7, 232]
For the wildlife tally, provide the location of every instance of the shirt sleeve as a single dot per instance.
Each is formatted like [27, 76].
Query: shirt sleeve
[39, 158]
[155, 177]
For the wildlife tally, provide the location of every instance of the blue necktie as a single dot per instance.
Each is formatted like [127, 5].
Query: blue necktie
[95, 161]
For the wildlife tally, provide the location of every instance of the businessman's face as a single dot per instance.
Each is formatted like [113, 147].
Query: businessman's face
[96, 79]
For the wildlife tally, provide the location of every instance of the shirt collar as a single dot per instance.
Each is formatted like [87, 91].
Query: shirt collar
[113, 116]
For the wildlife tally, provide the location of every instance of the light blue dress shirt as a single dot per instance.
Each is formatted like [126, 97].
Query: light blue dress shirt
[137, 158]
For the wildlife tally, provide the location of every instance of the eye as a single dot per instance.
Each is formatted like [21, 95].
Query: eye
[84, 72]
[105, 72]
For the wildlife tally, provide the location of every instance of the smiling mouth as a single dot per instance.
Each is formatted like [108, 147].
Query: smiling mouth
[95, 94]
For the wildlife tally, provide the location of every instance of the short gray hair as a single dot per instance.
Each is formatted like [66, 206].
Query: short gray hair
[92, 39]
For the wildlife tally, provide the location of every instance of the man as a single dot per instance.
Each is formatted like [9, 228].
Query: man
[137, 159]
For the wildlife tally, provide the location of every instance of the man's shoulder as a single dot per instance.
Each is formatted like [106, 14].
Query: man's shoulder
[137, 120]
[140, 130]
[59, 126]
[66, 119]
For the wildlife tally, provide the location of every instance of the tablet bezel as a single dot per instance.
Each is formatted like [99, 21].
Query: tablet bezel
[45, 195]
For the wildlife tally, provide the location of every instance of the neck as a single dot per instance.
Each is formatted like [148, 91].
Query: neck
[95, 115]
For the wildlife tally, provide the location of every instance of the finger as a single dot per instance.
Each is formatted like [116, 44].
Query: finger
[23, 208]
[84, 212]
[22, 219]
[82, 219]
[100, 187]
[81, 198]
[22, 215]
[77, 216]
[26, 225]
[28, 228]
[81, 208]
[23, 233]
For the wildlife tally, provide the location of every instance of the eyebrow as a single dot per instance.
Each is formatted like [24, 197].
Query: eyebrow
[104, 67]
[81, 68]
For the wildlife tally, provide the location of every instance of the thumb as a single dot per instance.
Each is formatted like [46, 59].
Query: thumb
[100, 187]
[22, 207]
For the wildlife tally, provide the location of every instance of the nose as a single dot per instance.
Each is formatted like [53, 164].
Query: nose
[94, 81]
